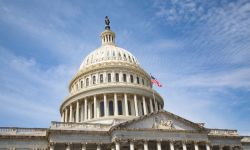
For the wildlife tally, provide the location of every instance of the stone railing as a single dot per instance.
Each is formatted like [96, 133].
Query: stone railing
[8, 131]
[80, 126]
[226, 132]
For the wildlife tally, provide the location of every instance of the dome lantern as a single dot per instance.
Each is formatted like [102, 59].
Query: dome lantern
[108, 37]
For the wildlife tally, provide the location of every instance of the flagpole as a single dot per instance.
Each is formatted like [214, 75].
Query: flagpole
[153, 94]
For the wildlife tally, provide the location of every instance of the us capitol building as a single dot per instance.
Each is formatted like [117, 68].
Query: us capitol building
[112, 106]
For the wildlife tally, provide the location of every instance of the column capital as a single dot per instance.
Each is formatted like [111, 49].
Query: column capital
[52, 144]
[68, 144]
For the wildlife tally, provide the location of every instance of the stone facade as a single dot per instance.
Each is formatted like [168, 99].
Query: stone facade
[111, 106]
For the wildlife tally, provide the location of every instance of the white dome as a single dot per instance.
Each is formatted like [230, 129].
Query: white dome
[108, 53]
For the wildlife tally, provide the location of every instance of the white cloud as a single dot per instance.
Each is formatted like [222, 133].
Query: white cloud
[29, 91]
[238, 78]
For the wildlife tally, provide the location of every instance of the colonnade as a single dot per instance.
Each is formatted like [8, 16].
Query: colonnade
[111, 104]
[153, 145]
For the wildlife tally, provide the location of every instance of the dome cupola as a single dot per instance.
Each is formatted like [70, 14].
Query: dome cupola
[108, 37]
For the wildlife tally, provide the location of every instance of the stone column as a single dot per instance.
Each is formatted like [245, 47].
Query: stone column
[105, 105]
[51, 146]
[196, 147]
[126, 105]
[172, 145]
[84, 147]
[66, 115]
[144, 105]
[151, 105]
[82, 112]
[67, 146]
[207, 146]
[132, 146]
[158, 145]
[98, 147]
[145, 145]
[116, 104]
[85, 109]
[70, 113]
[184, 146]
[136, 106]
[95, 106]
[117, 146]
[221, 147]
[62, 118]
[77, 111]
[97, 109]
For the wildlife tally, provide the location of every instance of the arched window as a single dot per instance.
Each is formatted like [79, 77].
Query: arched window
[125, 58]
[138, 80]
[101, 78]
[109, 77]
[148, 106]
[81, 84]
[131, 78]
[92, 111]
[94, 79]
[153, 106]
[101, 108]
[87, 81]
[129, 58]
[124, 78]
[111, 108]
[129, 108]
[117, 77]
[119, 107]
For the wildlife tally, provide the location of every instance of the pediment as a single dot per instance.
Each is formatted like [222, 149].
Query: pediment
[161, 120]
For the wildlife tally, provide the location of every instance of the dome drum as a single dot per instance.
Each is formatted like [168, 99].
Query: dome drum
[104, 106]
[105, 76]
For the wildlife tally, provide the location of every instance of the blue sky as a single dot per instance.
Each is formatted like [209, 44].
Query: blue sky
[198, 49]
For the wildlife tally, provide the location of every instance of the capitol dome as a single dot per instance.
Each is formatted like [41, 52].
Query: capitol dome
[110, 86]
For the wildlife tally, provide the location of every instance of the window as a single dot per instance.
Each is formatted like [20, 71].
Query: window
[131, 79]
[111, 108]
[142, 81]
[117, 77]
[129, 108]
[119, 107]
[148, 107]
[153, 106]
[109, 77]
[102, 109]
[101, 78]
[138, 80]
[94, 79]
[142, 108]
[92, 111]
[87, 81]
[81, 84]
[124, 78]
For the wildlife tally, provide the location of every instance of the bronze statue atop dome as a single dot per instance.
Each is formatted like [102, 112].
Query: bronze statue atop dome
[107, 22]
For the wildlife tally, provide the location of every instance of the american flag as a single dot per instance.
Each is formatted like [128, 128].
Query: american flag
[155, 81]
